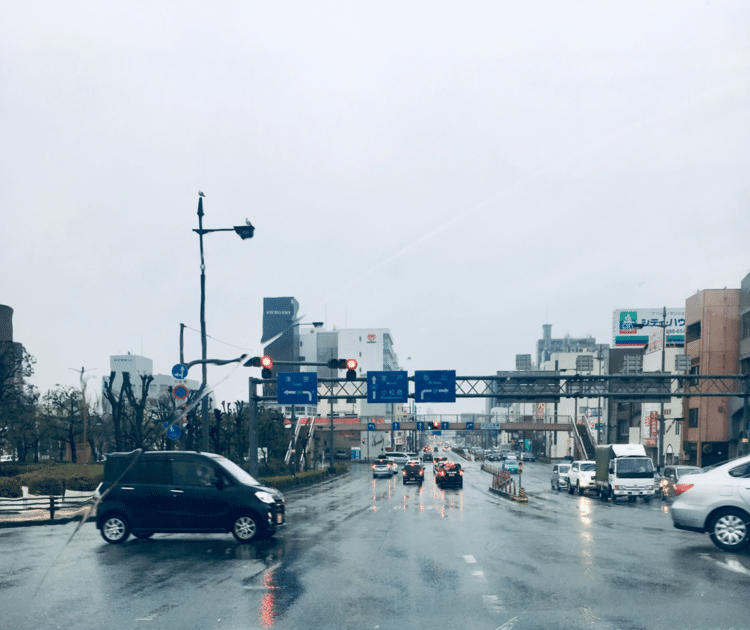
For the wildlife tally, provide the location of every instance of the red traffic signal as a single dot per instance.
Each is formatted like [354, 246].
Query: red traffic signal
[351, 369]
[266, 363]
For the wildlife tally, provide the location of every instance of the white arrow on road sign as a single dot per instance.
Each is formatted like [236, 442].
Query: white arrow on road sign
[296, 393]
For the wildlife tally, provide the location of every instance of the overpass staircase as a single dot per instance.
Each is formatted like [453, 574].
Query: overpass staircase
[584, 442]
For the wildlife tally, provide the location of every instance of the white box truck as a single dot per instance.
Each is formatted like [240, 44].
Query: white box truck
[624, 470]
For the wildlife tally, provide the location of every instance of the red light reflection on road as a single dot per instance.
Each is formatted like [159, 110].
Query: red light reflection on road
[268, 604]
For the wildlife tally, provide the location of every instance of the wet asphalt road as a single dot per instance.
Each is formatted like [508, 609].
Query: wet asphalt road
[360, 553]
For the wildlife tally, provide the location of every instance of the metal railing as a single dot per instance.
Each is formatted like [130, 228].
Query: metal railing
[11, 509]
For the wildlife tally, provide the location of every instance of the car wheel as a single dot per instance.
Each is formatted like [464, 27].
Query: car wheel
[245, 528]
[143, 535]
[631, 499]
[580, 490]
[115, 529]
[647, 499]
[729, 530]
[570, 489]
[603, 494]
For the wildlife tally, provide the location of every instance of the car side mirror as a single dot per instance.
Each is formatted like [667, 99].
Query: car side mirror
[611, 470]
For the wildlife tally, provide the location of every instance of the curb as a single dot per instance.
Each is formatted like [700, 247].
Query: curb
[31, 523]
[506, 495]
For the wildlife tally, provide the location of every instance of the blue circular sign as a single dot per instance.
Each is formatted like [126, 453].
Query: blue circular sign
[173, 432]
[181, 392]
[180, 371]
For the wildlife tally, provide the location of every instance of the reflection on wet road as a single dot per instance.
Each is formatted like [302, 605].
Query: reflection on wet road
[364, 553]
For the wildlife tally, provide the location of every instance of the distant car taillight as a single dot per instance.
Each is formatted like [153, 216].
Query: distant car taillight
[460, 472]
[373, 466]
[421, 471]
[682, 487]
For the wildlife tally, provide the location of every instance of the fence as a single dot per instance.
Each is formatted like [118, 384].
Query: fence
[26, 508]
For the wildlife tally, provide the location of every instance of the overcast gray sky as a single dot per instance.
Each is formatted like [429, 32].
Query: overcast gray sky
[458, 172]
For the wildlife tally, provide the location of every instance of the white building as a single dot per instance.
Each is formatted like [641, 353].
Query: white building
[589, 411]
[648, 435]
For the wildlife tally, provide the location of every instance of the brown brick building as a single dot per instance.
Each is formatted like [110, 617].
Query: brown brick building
[712, 339]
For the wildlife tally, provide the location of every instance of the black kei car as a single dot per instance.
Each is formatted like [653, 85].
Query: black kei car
[413, 471]
[449, 474]
[150, 492]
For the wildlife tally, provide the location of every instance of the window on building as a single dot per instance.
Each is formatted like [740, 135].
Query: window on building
[745, 366]
[695, 369]
[677, 425]
[693, 418]
[693, 332]
[746, 325]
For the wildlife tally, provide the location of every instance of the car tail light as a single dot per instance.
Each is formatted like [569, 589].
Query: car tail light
[373, 466]
[460, 472]
[441, 473]
[682, 487]
[421, 471]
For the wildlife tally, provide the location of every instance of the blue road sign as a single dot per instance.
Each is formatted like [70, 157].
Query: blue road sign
[297, 388]
[386, 387]
[181, 392]
[420, 426]
[180, 371]
[173, 432]
[469, 426]
[445, 426]
[396, 426]
[370, 426]
[435, 386]
[436, 433]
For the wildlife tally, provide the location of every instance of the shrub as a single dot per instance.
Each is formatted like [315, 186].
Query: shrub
[9, 470]
[10, 488]
[46, 486]
[83, 483]
[273, 468]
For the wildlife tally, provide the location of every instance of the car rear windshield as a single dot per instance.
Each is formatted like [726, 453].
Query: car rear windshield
[588, 467]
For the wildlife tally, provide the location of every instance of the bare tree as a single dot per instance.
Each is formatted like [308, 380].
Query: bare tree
[140, 430]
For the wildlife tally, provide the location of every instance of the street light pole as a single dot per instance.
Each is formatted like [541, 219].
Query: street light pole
[204, 367]
[244, 232]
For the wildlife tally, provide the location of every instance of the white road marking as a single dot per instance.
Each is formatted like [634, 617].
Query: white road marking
[470, 559]
[479, 575]
[735, 565]
[493, 603]
[729, 563]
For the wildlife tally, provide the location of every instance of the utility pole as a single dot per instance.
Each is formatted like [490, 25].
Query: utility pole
[661, 404]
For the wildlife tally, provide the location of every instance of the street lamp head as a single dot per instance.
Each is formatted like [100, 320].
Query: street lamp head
[318, 324]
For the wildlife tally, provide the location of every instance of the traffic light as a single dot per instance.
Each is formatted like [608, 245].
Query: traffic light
[350, 365]
[351, 369]
[266, 363]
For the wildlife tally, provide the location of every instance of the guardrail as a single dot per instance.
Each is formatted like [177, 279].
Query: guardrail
[27, 505]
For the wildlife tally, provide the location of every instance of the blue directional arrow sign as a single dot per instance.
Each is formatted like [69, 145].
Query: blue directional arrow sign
[420, 426]
[387, 387]
[445, 426]
[435, 386]
[370, 426]
[297, 388]
[469, 426]
[396, 426]
[180, 371]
